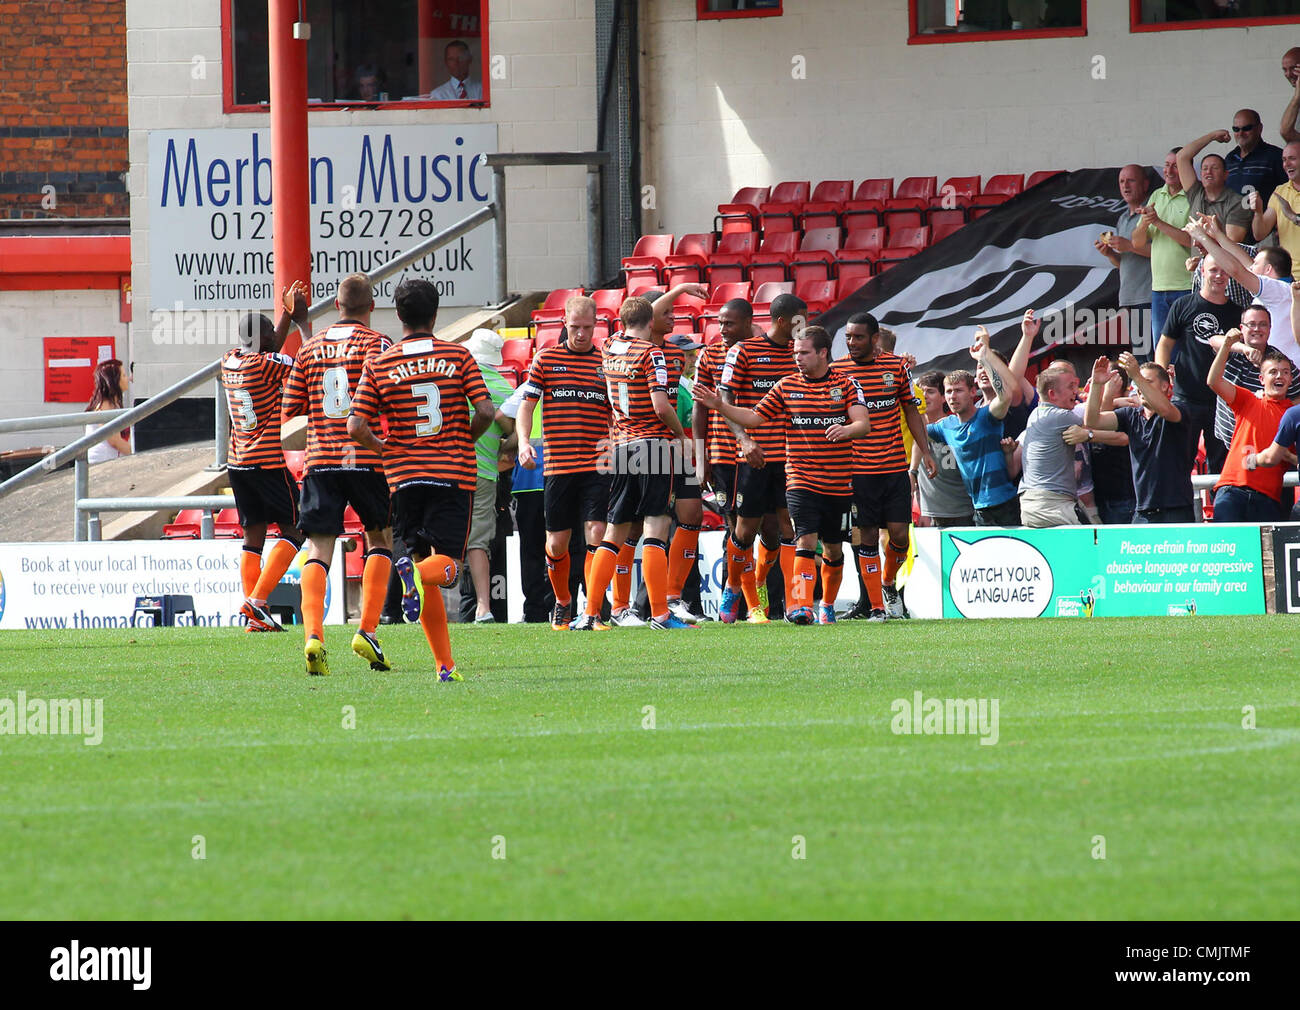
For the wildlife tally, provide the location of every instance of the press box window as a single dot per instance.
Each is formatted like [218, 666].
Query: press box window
[714, 10]
[977, 20]
[366, 52]
[1163, 15]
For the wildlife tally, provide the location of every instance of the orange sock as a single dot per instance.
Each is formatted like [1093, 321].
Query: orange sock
[832, 574]
[441, 570]
[787, 558]
[764, 558]
[682, 557]
[749, 587]
[433, 620]
[869, 566]
[586, 567]
[738, 562]
[277, 563]
[250, 569]
[803, 577]
[314, 574]
[654, 567]
[374, 587]
[623, 577]
[895, 558]
[557, 570]
[602, 570]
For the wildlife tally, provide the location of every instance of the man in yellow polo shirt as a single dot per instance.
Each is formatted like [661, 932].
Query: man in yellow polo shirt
[1283, 209]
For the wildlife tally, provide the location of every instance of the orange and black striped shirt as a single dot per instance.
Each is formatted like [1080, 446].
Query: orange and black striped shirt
[635, 368]
[753, 367]
[887, 385]
[721, 440]
[806, 409]
[325, 377]
[570, 390]
[424, 386]
[254, 382]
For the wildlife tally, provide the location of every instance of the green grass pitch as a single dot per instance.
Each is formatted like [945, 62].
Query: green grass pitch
[1127, 729]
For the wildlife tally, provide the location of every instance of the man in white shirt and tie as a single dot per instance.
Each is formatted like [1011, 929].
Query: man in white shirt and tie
[460, 87]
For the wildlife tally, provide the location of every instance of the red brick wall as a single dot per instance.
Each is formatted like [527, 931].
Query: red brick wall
[63, 108]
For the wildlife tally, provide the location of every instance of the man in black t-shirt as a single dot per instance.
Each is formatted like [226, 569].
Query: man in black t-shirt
[1192, 321]
[1157, 441]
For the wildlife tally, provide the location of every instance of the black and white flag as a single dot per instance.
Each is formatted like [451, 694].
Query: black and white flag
[1034, 252]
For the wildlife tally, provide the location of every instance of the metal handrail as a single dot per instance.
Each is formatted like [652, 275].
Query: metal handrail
[13, 424]
[209, 503]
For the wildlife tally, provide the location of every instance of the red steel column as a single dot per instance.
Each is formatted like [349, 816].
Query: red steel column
[427, 34]
[290, 167]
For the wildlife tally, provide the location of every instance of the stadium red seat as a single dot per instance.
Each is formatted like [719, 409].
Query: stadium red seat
[824, 207]
[186, 526]
[957, 192]
[712, 333]
[820, 295]
[846, 284]
[741, 214]
[790, 192]
[509, 374]
[609, 299]
[640, 284]
[731, 261]
[689, 260]
[548, 334]
[686, 311]
[517, 353]
[771, 261]
[999, 189]
[939, 232]
[912, 197]
[557, 298]
[865, 241]
[765, 292]
[780, 212]
[816, 256]
[1043, 176]
[910, 238]
[725, 292]
[647, 259]
[763, 320]
[295, 460]
[946, 218]
[225, 525]
[875, 189]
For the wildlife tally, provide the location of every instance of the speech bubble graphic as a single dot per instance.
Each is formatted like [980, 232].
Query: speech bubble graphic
[999, 577]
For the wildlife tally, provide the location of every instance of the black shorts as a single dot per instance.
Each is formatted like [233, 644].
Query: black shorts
[569, 499]
[636, 496]
[433, 518]
[827, 515]
[723, 481]
[882, 498]
[686, 486]
[325, 493]
[264, 495]
[759, 491]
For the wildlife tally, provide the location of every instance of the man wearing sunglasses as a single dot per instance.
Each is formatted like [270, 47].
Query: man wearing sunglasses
[1254, 164]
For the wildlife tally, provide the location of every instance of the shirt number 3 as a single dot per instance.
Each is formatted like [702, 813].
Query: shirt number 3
[430, 410]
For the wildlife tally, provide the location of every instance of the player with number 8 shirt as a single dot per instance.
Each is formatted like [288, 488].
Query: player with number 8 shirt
[325, 376]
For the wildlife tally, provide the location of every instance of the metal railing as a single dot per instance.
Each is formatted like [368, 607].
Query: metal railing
[87, 509]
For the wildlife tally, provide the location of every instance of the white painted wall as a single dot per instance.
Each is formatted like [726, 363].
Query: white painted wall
[547, 101]
[721, 109]
[26, 318]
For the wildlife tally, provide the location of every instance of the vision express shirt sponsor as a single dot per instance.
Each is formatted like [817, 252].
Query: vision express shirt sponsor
[886, 384]
[574, 401]
[806, 408]
[753, 368]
